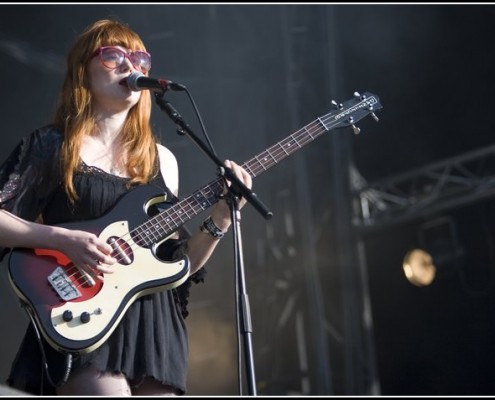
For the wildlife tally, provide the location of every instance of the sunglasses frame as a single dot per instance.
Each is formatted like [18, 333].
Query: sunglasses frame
[99, 52]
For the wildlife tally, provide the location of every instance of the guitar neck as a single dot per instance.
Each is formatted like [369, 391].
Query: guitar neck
[168, 221]
[202, 199]
[276, 153]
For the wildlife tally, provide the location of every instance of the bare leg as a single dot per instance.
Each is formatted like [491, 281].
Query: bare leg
[151, 387]
[91, 382]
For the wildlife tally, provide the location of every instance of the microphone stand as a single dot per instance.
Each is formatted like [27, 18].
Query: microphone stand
[237, 188]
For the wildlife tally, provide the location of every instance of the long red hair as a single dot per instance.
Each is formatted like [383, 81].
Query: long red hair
[74, 113]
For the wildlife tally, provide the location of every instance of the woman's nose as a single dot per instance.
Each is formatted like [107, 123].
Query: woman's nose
[126, 64]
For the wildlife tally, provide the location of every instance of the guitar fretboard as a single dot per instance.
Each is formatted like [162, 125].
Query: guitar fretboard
[168, 221]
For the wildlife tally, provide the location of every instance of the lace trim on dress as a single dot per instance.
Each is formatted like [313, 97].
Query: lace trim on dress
[91, 169]
[10, 187]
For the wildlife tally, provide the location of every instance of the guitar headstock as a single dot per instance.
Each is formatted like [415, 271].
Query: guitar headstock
[351, 111]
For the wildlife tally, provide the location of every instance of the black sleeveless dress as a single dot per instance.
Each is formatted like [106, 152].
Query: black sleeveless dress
[151, 339]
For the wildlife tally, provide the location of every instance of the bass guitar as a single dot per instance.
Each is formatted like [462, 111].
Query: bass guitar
[76, 313]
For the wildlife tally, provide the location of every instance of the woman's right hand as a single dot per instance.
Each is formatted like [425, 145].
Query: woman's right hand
[86, 250]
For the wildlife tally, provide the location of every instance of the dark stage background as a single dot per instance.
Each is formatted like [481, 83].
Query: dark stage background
[332, 313]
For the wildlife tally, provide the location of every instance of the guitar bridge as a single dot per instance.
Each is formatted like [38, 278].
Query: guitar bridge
[63, 285]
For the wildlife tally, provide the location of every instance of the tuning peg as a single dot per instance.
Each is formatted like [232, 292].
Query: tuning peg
[359, 96]
[370, 107]
[354, 127]
[337, 105]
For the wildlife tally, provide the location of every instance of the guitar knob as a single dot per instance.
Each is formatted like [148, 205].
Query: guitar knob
[85, 317]
[67, 315]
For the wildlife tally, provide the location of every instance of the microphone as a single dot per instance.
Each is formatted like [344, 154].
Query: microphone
[137, 81]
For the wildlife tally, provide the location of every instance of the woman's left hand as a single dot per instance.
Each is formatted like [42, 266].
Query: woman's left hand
[221, 212]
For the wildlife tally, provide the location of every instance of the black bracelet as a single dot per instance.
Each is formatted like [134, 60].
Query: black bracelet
[211, 229]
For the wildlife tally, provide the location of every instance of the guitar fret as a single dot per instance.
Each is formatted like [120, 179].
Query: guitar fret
[179, 214]
[322, 124]
[148, 233]
[139, 238]
[267, 161]
[250, 169]
[273, 158]
[260, 162]
[283, 146]
[308, 132]
[150, 238]
[165, 221]
[201, 200]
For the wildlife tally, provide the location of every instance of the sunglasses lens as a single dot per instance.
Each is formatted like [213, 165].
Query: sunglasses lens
[141, 60]
[112, 58]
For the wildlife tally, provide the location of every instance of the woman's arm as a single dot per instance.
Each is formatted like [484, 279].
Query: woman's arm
[202, 244]
[83, 248]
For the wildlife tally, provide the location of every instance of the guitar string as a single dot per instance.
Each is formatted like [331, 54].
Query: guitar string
[271, 151]
[276, 153]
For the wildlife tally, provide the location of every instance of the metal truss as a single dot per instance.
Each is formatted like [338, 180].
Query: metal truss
[435, 188]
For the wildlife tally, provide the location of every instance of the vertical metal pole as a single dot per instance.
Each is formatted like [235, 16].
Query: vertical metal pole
[323, 384]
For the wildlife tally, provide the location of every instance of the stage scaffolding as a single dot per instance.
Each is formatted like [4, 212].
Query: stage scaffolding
[441, 186]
